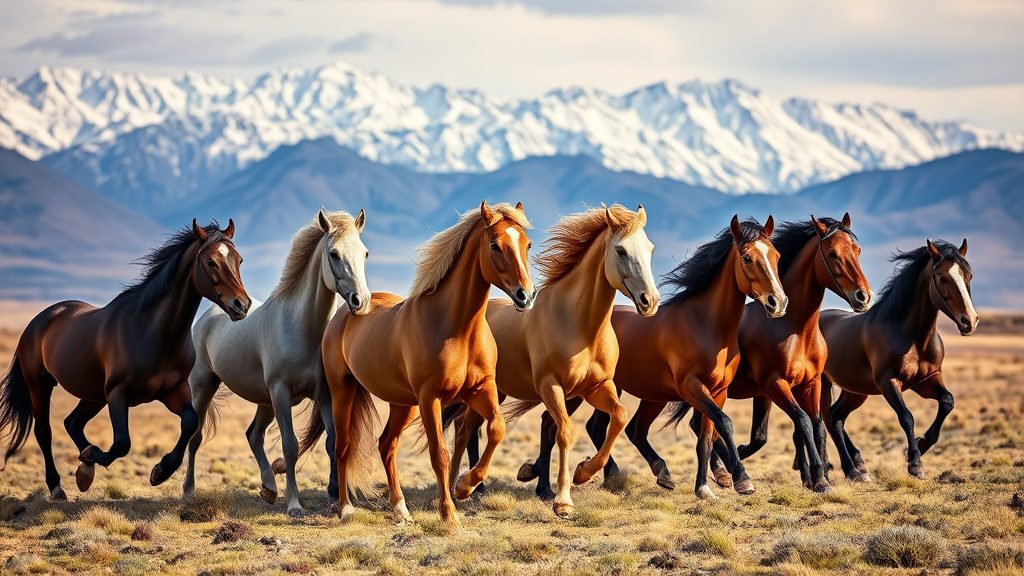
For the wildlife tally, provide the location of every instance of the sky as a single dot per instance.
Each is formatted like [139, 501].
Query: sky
[946, 59]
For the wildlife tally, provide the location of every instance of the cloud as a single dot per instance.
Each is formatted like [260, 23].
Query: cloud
[282, 50]
[150, 43]
[361, 42]
[592, 7]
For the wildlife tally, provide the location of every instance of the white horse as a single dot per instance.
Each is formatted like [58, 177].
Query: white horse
[272, 358]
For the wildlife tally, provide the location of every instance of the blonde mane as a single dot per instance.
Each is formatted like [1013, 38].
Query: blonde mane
[438, 255]
[303, 243]
[572, 236]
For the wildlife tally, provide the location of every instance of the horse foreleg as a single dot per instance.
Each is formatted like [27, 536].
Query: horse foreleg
[703, 455]
[696, 394]
[467, 433]
[758, 427]
[597, 429]
[638, 429]
[203, 391]
[892, 391]
[282, 398]
[255, 435]
[343, 397]
[933, 388]
[179, 402]
[117, 406]
[398, 419]
[808, 396]
[75, 426]
[720, 458]
[848, 453]
[554, 400]
[808, 460]
[483, 401]
[605, 399]
[430, 414]
[541, 467]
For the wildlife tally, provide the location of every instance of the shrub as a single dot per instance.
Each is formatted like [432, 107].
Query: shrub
[360, 551]
[716, 542]
[990, 557]
[528, 552]
[653, 543]
[107, 520]
[203, 507]
[905, 547]
[821, 551]
[143, 531]
[233, 531]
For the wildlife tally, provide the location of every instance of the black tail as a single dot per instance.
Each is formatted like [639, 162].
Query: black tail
[679, 410]
[15, 409]
[451, 414]
[315, 427]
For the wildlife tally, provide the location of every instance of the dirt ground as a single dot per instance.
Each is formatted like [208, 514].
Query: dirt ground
[962, 520]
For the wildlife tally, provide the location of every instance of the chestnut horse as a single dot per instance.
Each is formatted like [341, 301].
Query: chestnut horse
[565, 347]
[423, 352]
[895, 347]
[136, 349]
[781, 359]
[272, 358]
[688, 351]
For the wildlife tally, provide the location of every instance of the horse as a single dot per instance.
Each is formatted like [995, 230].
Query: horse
[423, 352]
[134, 350]
[565, 347]
[272, 357]
[688, 350]
[895, 347]
[781, 360]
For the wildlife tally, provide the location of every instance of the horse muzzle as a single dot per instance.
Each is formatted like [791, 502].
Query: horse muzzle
[647, 303]
[237, 308]
[860, 300]
[966, 326]
[775, 307]
[357, 305]
[522, 299]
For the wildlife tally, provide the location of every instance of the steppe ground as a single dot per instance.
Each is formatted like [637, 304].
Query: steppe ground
[962, 520]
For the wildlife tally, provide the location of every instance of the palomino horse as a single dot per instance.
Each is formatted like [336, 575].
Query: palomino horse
[781, 359]
[687, 351]
[272, 358]
[565, 347]
[895, 347]
[423, 352]
[135, 349]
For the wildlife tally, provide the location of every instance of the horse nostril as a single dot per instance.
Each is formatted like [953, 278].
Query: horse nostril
[861, 296]
[965, 320]
[645, 300]
[521, 296]
[772, 302]
[355, 301]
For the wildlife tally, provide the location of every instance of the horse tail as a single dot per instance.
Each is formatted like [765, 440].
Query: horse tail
[678, 411]
[518, 408]
[321, 399]
[213, 413]
[15, 408]
[361, 455]
[451, 414]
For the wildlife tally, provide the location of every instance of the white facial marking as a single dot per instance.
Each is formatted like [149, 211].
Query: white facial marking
[763, 249]
[223, 250]
[514, 235]
[636, 267]
[958, 279]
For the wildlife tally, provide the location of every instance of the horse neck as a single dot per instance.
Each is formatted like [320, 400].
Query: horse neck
[173, 314]
[923, 316]
[803, 287]
[464, 291]
[722, 302]
[312, 302]
[586, 291]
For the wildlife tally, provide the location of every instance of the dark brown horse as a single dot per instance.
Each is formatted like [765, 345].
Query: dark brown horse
[136, 349]
[895, 347]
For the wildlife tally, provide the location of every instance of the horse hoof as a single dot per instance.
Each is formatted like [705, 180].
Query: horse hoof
[452, 527]
[581, 475]
[917, 471]
[860, 477]
[744, 486]
[822, 487]
[563, 510]
[722, 477]
[402, 513]
[58, 495]
[860, 466]
[462, 488]
[278, 466]
[345, 511]
[528, 471]
[546, 494]
[705, 493]
[86, 455]
[269, 496]
[84, 476]
[665, 480]
[296, 512]
[158, 476]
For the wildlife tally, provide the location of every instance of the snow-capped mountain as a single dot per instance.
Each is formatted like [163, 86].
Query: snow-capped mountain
[164, 138]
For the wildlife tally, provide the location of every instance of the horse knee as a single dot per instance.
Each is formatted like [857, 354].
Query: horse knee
[946, 403]
[189, 422]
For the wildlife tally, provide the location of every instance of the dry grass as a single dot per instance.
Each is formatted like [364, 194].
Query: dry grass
[124, 526]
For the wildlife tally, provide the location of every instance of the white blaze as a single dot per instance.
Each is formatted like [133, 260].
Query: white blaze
[763, 249]
[514, 235]
[958, 279]
[223, 250]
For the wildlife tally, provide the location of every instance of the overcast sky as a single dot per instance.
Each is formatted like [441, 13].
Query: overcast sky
[946, 59]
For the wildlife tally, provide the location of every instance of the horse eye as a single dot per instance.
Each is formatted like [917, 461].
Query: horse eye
[495, 247]
[832, 254]
[367, 253]
[529, 245]
[747, 259]
[209, 262]
[334, 255]
[620, 250]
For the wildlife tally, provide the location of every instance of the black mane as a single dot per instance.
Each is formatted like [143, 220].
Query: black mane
[897, 296]
[160, 266]
[696, 274]
[791, 237]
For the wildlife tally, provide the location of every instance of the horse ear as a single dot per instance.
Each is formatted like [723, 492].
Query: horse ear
[734, 226]
[322, 221]
[642, 213]
[230, 230]
[360, 220]
[519, 206]
[963, 248]
[846, 219]
[613, 222]
[486, 213]
[769, 227]
[199, 233]
[933, 251]
[820, 228]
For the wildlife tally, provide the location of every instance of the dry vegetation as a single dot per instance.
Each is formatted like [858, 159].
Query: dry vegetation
[963, 520]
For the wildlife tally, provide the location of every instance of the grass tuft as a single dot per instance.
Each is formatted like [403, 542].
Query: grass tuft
[51, 517]
[827, 551]
[990, 558]
[717, 542]
[529, 552]
[143, 532]
[233, 531]
[653, 543]
[203, 507]
[905, 547]
[116, 491]
[107, 520]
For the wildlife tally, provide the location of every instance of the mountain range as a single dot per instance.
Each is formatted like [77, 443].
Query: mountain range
[153, 142]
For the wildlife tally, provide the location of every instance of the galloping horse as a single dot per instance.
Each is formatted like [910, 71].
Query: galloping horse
[564, 347]
[423, 352]
[272, 358]
[687, 351]
[134, 350]
[895, 347]
[781, 359]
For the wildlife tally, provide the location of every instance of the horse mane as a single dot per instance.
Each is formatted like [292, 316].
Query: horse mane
[697, 273]
[791, 237]
[897, 296]
[572, 236]
[160, 266]
[438, 255]
[304, 242]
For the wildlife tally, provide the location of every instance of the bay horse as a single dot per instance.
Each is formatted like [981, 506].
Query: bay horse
[688, 350]
[423, 352]
[565, 347]
[272, 357]
[134, 350]
[895, 347]
[782, 359]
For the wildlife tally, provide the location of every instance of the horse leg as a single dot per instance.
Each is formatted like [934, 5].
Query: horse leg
[332, 478]
[117, 406]
[758, 428]
[808, 396]
[430, 413]
[281, 395]
[605, 399]
[483, 401]
[554, 400]
[892, 391]
[541, 467]
[781, 393]
[343, 397]
[40, 397]
[933, 388]
[844, 405]
[696, 394]
[75, 426]
[720, 462]
[467, 431]
[597, 429]
[703, 455]
[179, 402]
[203, 391]
[255, 434]
[638, 429]
[398, 420]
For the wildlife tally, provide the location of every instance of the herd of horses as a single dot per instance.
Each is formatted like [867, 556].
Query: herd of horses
[450, 355]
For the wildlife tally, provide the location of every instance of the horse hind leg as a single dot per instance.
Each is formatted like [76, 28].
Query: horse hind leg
[203, 384]
[484, 402]
[75, 426]
[638, 431]
[44, 435]
[467, 433]
[398, 420]
[255, 434]
[282, 398]
[719, 463]
[605, 399]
